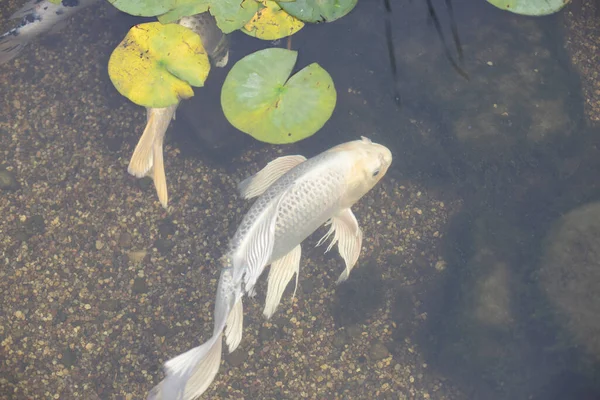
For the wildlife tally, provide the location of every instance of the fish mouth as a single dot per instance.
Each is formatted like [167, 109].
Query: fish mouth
[385, 155]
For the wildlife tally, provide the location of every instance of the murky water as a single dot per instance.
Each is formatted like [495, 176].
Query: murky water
[480, 273]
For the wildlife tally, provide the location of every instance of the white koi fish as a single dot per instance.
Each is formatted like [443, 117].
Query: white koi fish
[296, 196]
[37, 17]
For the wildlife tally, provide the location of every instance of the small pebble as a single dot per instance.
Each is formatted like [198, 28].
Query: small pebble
[136, 256]
[125, 240]
[8, 180]
[139, 286]
[236, 358]
[378, 351]
[69, 357]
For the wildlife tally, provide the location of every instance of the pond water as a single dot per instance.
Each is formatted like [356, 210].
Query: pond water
[480, 271]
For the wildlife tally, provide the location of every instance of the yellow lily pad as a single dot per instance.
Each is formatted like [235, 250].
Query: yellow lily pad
[155, 64]
[271, 22]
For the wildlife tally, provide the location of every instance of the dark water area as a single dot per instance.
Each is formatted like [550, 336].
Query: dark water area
[481, 275]
[510, 139]
[504, 138]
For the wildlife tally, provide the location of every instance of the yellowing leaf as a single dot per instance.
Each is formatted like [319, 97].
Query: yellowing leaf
[155, 64]
[271, 23]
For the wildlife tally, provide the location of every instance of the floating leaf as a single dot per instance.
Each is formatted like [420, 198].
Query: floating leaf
[530, 7]
[144, 8]
[55, 1]
[184, 8]
[318, 10]
[231, 15]
[271, 23]
[258, 98]
[155, 64]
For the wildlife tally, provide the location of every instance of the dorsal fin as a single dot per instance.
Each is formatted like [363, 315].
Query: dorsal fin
[258, 183]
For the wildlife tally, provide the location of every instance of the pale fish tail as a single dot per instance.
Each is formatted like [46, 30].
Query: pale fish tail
[148, 153]
[11, 44]
[189, 374]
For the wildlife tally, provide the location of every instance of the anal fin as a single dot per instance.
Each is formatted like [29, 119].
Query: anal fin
[280, 274]
[235, 323]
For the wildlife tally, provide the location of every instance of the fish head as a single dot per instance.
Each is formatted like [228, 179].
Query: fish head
[369, 162]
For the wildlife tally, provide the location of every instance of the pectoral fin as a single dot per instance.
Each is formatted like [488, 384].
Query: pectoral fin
[282, 271]
[258, 183]
[348, 236]
[235, 323]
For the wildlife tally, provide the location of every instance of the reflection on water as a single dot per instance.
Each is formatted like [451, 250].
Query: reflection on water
[478, 281]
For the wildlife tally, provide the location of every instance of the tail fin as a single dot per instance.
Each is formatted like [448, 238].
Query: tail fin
[148, 152]
[189, 374]
[158, 172]
[142, 158]
[10, 46]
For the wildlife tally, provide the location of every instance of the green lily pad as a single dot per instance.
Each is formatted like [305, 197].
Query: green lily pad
[261, 99]
[155, 64]
[184, 8]
[318, 10]
[231, 15]
[530, 7]
[144, 8]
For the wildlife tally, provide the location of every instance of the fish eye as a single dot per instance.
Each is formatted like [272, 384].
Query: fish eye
[376, 172]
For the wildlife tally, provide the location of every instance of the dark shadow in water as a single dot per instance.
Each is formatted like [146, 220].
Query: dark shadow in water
[509, 235]
[485, 140]
[358, 298]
